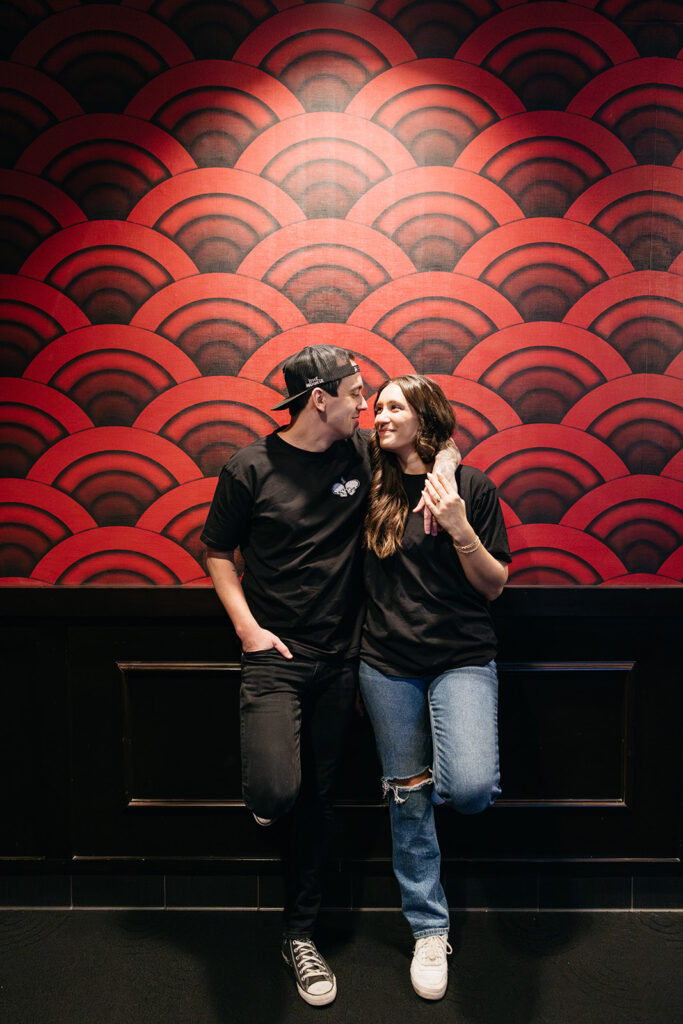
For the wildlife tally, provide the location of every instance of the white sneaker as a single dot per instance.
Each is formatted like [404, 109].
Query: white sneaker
[429, 969]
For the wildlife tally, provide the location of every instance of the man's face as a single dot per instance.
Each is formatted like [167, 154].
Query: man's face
[343, 409]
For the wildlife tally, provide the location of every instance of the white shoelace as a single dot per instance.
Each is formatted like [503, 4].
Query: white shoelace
[432, 949]
[308, 959]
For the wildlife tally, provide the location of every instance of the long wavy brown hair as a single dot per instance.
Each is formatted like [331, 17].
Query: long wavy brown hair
[388, 506]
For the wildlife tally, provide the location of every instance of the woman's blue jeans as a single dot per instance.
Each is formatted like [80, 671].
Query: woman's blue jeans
[447, 725]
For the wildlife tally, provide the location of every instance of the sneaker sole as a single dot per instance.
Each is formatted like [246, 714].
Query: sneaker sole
[320, 1000]
[311, 998]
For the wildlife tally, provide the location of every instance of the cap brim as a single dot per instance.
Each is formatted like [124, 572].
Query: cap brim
[292, 398]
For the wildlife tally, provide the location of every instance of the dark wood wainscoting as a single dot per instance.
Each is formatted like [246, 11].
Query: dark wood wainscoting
[121, 736]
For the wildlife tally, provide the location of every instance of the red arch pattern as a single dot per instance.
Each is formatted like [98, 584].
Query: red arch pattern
[486, 192]
[623, 98]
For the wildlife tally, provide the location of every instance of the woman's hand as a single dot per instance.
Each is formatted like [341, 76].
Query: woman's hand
[484, 572]
[448, 509]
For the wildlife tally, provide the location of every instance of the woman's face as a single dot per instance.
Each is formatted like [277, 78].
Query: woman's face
[396, 422]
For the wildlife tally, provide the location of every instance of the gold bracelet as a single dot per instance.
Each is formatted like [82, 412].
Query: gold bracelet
[467, 549]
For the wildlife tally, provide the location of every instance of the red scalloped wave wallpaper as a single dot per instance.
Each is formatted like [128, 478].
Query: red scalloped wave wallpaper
[487, 192]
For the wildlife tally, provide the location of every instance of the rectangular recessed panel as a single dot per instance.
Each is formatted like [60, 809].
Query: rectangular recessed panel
[181, 733]
[563, 736]
[564, 732]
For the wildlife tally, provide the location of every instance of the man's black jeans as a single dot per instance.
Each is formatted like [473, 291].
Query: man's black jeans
[294, 720]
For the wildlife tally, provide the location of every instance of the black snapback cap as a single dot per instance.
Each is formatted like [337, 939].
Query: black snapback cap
[313, 366]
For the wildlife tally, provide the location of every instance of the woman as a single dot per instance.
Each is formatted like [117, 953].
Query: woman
[428, 675]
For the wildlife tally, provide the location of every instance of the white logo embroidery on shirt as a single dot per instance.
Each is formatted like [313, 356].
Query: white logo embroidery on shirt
[346, 488]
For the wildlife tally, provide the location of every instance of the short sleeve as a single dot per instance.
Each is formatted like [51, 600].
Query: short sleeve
[489, 524]
[229, 518]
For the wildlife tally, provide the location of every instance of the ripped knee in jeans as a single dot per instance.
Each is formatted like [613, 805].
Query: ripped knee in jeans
[424, 778]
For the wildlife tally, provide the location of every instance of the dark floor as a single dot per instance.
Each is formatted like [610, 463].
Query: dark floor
[206, 967]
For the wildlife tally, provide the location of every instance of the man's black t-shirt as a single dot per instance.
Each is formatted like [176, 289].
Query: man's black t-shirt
[422, 614]
[296, 517]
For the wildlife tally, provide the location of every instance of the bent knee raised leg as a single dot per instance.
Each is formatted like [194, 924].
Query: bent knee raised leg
[271, 801]
[471, 797]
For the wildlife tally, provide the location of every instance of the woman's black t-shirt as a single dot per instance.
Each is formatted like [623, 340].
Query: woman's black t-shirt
[422, 614]
[296, 517]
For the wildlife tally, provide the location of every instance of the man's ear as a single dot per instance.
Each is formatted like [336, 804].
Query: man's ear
[318, 397]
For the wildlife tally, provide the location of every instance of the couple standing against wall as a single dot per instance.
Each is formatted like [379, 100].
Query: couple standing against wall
[321, 514]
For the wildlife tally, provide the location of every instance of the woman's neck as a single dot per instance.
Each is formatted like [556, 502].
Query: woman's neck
[413, 465]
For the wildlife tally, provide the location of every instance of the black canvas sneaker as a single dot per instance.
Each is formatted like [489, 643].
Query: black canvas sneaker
[315, 981]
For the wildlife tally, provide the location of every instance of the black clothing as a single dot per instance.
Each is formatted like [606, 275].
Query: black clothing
[422, 613]
[296, 518]
[294, 720]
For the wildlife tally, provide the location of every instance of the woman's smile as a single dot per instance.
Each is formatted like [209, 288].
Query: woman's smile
[396, 422]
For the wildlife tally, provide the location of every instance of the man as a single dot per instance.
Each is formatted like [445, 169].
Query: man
[294, 503]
